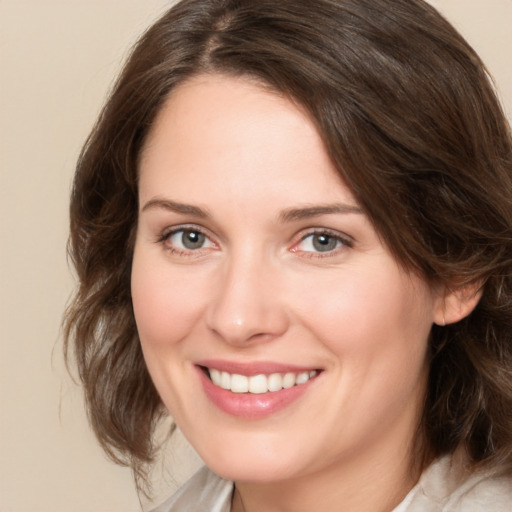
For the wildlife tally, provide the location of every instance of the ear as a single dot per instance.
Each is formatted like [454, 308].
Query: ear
[454, 304]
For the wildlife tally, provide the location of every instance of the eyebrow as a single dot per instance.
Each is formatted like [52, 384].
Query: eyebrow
[173, 206]
[288, 215]
[293, 214]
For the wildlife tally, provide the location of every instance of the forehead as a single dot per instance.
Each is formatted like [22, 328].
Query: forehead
[239, 137]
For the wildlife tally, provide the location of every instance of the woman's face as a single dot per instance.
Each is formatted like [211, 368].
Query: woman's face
[255, 267]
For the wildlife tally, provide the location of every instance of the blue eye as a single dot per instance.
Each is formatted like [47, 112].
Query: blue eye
[320, 242]
[188, 240]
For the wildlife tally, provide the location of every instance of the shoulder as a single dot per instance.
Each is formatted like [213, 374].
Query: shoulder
[445, 488]
[203, 491]
[484, 493]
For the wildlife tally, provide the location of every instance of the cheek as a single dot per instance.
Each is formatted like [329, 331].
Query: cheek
[375, 326]
[367, 311]
[165, 307]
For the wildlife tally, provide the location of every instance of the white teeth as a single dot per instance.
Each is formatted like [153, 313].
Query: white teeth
[216, 377]
[275, 382]
[289, 380]
[259, 384]
[239, 383]
[225, 380]
[302, 377]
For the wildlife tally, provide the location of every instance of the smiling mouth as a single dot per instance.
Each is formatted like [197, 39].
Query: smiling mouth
[258, 384]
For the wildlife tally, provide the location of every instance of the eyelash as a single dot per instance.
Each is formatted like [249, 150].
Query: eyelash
[341, 241]
[167, 234]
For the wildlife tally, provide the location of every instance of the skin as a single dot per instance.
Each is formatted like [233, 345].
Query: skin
[259, 290]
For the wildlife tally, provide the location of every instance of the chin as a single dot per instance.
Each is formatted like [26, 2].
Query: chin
[254, 472]
[258, 465]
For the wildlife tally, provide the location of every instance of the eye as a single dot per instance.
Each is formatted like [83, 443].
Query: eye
[321, 242]
[183, 240]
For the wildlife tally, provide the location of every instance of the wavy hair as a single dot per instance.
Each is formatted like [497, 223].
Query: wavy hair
[409, 117]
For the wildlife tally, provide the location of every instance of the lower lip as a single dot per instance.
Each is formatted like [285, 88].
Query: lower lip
[250, 405]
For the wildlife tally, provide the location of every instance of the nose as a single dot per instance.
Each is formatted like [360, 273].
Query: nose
[247, 307]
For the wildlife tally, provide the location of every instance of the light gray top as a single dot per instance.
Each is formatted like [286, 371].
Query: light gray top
[439, 489]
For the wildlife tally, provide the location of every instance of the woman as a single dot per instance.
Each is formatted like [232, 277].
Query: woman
[292, 227]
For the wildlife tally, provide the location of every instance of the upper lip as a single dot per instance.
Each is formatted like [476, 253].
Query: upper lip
[253, 368]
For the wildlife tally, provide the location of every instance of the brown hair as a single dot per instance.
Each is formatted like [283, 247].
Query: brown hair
[411, 121]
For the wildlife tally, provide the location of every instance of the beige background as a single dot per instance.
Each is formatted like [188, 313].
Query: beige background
[58, 58]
